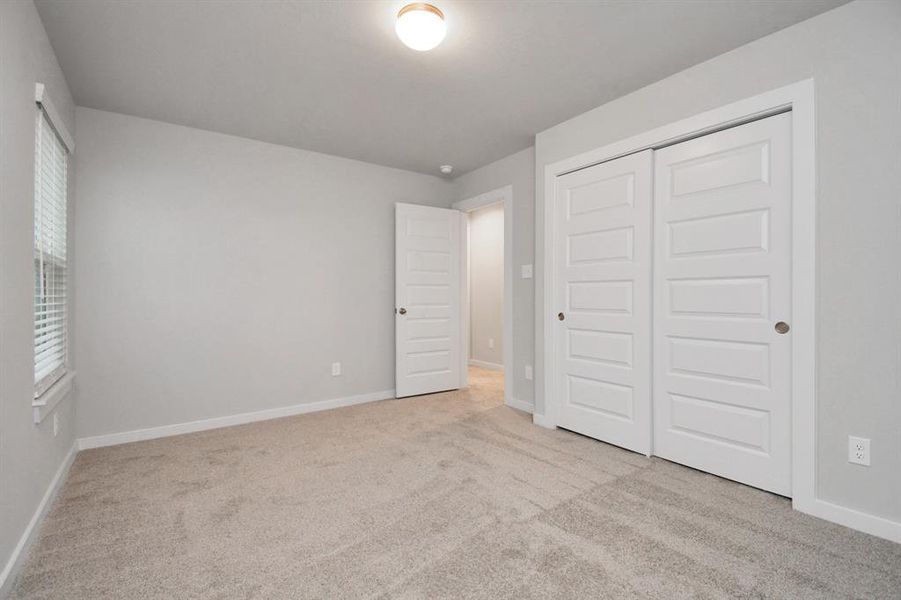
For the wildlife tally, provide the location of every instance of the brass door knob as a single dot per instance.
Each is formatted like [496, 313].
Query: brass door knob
[403, 311]
[782, 327]
[561, 316]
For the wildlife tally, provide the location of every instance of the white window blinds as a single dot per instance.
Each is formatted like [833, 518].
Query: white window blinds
[50, 272]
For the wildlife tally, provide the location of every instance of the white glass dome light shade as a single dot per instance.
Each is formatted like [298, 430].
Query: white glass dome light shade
[420, 26]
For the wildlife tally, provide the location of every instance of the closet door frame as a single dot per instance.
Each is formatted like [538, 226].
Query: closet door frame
[799, 99]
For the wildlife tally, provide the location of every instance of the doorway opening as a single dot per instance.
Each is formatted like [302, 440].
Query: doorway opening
[485, 282]
[487, 292]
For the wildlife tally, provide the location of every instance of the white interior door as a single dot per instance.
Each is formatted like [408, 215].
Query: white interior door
[428, 332]
[603, 295]
[722, 371]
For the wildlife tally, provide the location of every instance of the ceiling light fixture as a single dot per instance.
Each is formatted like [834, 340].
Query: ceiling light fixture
[446, 169]
[420, 26]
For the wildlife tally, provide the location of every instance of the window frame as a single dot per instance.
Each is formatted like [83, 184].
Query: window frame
[55, 385]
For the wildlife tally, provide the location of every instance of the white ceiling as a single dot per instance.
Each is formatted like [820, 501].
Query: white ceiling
[332, 76]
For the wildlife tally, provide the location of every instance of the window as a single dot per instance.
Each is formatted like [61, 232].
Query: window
[51, 160]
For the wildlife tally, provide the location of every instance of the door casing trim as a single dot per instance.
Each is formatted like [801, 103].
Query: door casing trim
[503, 196]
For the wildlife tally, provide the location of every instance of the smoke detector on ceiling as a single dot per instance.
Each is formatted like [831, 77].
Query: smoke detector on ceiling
[446, 169]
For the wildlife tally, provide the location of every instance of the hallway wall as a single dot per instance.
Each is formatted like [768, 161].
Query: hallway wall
[486, 285]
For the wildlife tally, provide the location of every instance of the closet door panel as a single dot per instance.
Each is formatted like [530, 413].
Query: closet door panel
[722, 281]
[603, 260]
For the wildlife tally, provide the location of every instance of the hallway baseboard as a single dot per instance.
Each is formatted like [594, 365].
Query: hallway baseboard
[485, 365]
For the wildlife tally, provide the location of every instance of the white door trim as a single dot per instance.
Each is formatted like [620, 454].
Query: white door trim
[503, 196]
[799, 98]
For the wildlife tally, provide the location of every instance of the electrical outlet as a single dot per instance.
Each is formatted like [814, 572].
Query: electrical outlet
[336, 369]
[529, 372]
[491, 342]
[859, 451]
[526, 271]
[55, 424]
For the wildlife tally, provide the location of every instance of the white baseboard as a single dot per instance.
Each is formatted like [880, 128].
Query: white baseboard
[112, 439]
[8, 574]
[519, 404]
[543, 421]
[485, 365]
[855, 519]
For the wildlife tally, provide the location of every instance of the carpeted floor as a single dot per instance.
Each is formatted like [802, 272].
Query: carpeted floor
[450, 495]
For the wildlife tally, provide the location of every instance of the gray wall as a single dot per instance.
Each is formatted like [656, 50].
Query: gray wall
[486, 284]
[219, 275]
[517, 170]
[29, 454]
[853, 53]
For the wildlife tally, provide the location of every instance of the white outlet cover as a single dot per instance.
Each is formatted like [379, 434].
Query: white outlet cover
[529, 372]
[859, 451]
[491, 342]
[336, 369]
[526, 271]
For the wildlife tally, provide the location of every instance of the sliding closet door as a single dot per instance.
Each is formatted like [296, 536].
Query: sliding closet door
[603, 295]
[722, 280]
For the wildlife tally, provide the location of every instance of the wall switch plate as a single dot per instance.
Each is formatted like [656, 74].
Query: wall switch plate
[491, 342]
[55, 424]
[526, 271]
[529, 372]
[336, 369]
[859, 451]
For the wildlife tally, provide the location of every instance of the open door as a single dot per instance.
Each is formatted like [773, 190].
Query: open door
[428, 331]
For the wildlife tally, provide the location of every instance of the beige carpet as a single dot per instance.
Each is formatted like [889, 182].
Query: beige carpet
[451, 495]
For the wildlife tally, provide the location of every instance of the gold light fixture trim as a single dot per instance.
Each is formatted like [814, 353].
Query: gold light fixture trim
[421, 6]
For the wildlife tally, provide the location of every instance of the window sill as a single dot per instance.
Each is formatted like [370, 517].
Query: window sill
[47, 401]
